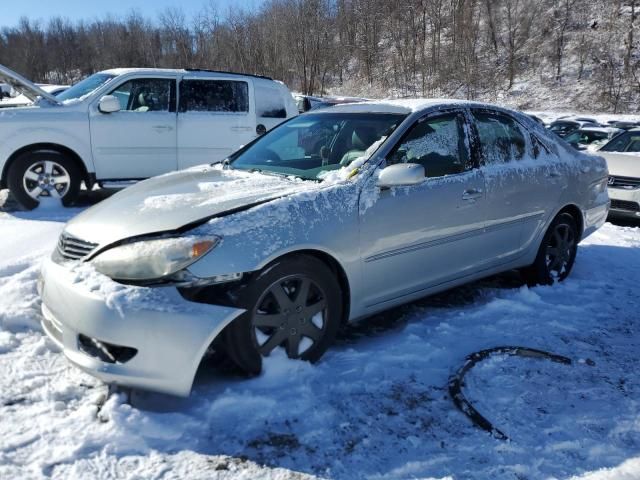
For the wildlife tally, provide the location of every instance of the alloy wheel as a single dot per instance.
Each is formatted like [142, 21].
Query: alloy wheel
[46, 179]
[290, 313]
[560, 251]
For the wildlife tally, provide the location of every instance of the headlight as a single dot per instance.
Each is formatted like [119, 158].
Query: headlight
[152, 259]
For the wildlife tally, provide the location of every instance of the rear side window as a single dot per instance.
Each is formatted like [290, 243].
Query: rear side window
[437, 144]
[501, 138]
[269, 101]
[228, 96]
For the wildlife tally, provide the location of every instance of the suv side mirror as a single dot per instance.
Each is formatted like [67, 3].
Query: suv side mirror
[401, 175]
[109, 104]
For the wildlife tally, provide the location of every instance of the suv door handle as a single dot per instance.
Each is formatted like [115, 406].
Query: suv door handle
[553, 174]
[471, 194]
[162, 128]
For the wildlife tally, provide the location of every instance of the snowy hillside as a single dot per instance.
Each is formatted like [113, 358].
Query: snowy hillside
[375, 407]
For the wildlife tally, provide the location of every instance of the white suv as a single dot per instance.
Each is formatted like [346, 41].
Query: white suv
[128, 124]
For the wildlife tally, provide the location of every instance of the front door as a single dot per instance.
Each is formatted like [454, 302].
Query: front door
[139, 141]
[420, 236]
[215, 118]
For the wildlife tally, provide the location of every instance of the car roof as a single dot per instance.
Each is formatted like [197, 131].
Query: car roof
[405, 105]
[184, 71]
[566, 120]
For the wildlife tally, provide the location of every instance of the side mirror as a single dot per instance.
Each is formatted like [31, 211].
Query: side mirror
[109, 104]
[401, 175]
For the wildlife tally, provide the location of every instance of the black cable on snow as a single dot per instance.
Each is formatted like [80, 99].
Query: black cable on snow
[456, 382]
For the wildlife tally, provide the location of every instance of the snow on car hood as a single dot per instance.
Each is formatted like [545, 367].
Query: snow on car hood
[622, 164]
[174, 200]
[24, 86]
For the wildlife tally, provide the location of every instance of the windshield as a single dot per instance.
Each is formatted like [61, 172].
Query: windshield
[586, 137]
[562, 126]
[312, 144]
[625, 142]
[85, 87]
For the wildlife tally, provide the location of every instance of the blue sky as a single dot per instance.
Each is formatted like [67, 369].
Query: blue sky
[12, 10]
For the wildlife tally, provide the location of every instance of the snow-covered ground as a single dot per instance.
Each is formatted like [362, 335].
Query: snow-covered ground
[375, 407]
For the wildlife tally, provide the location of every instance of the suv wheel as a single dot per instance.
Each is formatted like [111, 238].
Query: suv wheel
[294, 303]
[44, 174]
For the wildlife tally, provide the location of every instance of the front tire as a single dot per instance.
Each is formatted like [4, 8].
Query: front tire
[557, 252]
[44, 174]
[294, 303]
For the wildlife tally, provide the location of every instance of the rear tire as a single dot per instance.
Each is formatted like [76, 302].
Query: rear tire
[557, 252]
[44, 174]
[294, 303]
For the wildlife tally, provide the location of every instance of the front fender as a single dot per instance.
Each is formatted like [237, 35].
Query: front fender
[323, 220]
[71, 132]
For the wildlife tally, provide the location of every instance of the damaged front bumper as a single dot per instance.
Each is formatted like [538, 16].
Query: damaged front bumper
[150, 338]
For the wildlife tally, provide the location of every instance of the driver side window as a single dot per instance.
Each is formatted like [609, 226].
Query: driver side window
[144, 95]
[436, 143]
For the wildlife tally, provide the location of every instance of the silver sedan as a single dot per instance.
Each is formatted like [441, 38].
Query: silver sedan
[331, 217]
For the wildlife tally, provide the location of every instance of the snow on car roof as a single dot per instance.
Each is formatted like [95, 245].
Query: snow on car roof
[599, 129]
[405, 105]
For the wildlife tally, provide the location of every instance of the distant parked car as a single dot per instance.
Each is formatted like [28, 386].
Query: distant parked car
[130, 124]
[12, 98]
[623, 159]
[387, 202]
[564, 127]
[586, 120]
[623, 124]
[306, 103]
[586, 137]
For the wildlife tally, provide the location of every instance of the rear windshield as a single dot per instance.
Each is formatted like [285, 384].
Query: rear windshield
[312, 144]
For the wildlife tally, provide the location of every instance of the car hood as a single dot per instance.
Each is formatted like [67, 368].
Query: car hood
[24, 86]
[175, 200]
[622, 164]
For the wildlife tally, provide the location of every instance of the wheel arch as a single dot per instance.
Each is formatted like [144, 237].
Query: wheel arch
[576, 213]
[37, 147]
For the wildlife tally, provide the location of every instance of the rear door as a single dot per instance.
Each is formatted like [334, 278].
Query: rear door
[139, 141]
[216, 116]
[524, 182]
[423, 235]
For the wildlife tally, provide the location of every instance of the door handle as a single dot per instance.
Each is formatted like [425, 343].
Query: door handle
[241, 129]
[471, 194]
[553, 175]
[162, 128]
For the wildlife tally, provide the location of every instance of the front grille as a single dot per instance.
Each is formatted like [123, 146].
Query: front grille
[625, 205]
[72, 248]
[628, 183]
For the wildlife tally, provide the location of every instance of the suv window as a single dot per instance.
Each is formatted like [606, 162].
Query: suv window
[269, 102]
[144, 95]
[228, 96]
[501, 138]
[437, 144]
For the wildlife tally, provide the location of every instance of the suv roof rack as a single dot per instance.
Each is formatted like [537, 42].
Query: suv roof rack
[227, 72]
